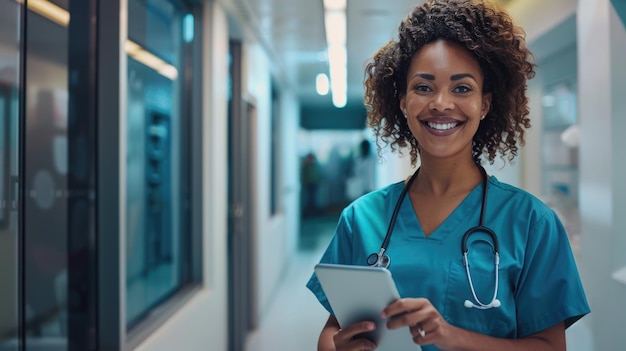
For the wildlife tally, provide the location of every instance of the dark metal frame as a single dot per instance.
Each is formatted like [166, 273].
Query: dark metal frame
[6, 185]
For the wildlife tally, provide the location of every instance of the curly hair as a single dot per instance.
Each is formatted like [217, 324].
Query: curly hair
[497, 44]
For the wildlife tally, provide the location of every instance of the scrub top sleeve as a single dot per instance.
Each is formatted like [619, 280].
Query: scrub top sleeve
[549, 289]
[339, 251]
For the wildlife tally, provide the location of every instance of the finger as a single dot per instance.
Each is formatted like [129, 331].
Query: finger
[403, 320]
[344, 336]
[420, 335]
[403, 306]
[361, 344]
[418, 331]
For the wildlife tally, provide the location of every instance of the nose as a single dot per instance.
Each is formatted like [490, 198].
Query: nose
[441, 101]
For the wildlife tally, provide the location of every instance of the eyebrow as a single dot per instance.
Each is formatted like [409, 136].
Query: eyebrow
[461, 76]
[452, 77]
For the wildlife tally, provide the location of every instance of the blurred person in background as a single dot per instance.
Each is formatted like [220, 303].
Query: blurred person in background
[310, 177]
[363, 178]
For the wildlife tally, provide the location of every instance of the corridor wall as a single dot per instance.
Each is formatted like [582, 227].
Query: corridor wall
[601, 55]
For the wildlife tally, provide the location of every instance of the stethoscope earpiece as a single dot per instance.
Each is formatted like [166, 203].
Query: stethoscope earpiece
[495, 303]
[380, 259]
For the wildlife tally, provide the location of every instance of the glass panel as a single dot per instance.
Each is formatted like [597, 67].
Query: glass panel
[560, 144]
[560, 155]
[45, 179]
[10, 13]
[157, 264]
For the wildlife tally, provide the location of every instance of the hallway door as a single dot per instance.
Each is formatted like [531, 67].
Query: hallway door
[242, 115]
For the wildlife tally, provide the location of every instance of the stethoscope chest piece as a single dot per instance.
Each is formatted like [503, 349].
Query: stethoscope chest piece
[378, 259]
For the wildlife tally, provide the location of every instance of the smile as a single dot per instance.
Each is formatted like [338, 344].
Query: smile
[442, 126]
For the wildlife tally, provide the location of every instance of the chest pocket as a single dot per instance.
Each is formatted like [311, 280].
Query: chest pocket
[495, 321]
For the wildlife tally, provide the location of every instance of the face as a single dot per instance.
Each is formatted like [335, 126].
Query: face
[444, 101]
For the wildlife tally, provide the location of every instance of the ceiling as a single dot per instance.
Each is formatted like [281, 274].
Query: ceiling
[292, 31]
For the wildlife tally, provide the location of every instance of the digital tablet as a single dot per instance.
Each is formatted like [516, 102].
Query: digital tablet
[360, 293]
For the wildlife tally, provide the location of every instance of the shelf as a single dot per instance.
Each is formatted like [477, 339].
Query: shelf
[620, 275]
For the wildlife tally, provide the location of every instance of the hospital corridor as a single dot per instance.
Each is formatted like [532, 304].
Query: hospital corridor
[171, 171]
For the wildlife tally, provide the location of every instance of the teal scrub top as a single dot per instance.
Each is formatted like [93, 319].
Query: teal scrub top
[539, 285]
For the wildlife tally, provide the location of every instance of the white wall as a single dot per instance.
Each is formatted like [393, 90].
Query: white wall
[601, 43]
[275, 235]
[268, 231]
[290, 110]
[203, 320]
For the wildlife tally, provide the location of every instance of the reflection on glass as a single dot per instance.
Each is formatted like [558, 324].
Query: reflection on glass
[45, 184]
[560, 155]
[155, 157]
[560, 152]
[10, 12]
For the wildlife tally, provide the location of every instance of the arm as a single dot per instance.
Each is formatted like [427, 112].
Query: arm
[325, 342]
[551, 339]
[422, 317]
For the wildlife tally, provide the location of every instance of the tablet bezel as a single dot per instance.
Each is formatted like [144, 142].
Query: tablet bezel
[360, 293]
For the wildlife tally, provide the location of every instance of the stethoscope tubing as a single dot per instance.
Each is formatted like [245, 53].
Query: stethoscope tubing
[381, 259]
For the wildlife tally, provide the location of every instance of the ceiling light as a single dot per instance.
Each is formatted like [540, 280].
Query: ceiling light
[338, 62]
[50, 11]
[321, 84]
[335, 24]
[330, 5]
[145, 57]
[336, 27]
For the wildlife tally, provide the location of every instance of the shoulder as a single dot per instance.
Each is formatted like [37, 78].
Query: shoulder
[376, 201]
[512, 205]
[504, 192]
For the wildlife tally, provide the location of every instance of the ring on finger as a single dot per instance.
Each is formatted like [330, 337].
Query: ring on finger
[420, 330]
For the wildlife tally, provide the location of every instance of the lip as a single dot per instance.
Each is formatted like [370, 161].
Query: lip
[444, 125]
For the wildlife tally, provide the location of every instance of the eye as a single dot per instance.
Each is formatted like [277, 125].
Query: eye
[462, 89]
[422, 88]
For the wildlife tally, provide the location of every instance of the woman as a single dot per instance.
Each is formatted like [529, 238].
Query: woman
[452, 89]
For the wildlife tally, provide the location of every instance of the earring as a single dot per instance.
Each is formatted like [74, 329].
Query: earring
[483, 117]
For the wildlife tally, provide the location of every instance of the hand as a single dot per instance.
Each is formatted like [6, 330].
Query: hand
[346, 340]
[425, 323]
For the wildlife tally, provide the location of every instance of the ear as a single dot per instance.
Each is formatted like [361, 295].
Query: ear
[403, 104]
[486, 107]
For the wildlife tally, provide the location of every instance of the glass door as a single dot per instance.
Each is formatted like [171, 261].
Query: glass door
[57, 180]
[45, 178]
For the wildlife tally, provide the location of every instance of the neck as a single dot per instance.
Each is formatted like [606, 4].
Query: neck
[442, 178]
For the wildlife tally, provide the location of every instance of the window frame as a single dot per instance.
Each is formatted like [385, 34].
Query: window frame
[112, 89]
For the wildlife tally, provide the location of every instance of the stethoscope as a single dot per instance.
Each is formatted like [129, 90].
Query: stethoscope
[381, 259]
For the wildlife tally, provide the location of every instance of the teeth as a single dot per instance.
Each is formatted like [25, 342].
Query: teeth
[439, 126]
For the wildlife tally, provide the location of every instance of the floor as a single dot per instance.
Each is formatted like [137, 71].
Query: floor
[295, 318]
